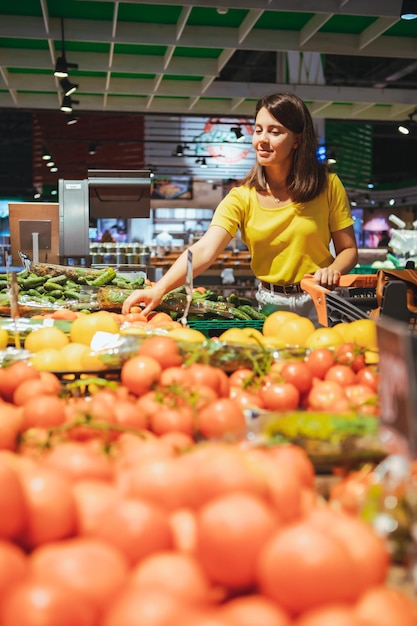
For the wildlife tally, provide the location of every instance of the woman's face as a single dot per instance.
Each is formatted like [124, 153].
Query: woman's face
[273, 143]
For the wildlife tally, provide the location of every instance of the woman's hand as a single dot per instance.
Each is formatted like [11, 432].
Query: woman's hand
[327, 277]
[150, 297]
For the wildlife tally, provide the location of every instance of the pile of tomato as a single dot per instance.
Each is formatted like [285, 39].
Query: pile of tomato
[142, 502]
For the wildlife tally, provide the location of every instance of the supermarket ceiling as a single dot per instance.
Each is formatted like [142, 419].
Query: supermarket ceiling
[208, 57]
[349, 60]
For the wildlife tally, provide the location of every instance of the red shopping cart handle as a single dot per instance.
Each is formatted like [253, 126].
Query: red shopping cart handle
[319, 293]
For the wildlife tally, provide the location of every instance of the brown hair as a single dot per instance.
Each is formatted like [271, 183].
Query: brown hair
[308, 176]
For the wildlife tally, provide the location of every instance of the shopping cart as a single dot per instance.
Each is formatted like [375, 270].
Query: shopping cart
[357, 297]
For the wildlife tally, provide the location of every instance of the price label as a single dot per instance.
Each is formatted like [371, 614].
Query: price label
[398, 378]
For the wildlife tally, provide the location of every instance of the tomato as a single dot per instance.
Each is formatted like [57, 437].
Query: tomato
[151, 606]
[224, 417]
[50, 505]
[384, 606]
[177, 572]
[319, 361]
[37, 602]
[86, 565]
[231, 530]
[13, 567]
[11, 424]
[246, 398]
[362, 398]
[129, 414]
[301, 567]
[220, 469]
[209, 376]
[12, 502]
[93, 497]
[254, 609]
[331, 615]
[298, 374]
[13, 375]
[172, 419]
[351, 354]
[368, 550]
[325, 395]
[241, 377]
[163, 349]
[139, 373]
[79, 460]
[279, 396]
[44, 411]
[165, 482]
[342, 374]
[369, 376]
[175, 376]
[135, 529]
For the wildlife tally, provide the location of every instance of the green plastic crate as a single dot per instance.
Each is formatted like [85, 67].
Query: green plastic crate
[215, 327]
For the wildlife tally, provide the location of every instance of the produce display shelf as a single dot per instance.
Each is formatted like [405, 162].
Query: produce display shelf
[214, 327]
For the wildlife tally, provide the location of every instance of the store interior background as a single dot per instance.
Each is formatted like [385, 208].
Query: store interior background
[210, 76]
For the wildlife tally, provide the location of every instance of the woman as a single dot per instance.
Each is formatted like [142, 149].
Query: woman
[289, 209]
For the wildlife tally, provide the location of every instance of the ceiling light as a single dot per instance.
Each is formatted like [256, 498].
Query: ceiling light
[50, 163]
[71, 119]
[67, 103]
[238, 132]
[92, 148]
[179, 152]
[67, 86]
[409, 10]
[202, 161]
[37, 194]
[62, 65]
[405, 127]
[46, 155]
[54, 169]
[331, 158]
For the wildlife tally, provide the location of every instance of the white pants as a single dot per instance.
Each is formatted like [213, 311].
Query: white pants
[300, 303]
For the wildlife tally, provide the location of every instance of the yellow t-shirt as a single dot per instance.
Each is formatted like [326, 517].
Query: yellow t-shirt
[287, 242]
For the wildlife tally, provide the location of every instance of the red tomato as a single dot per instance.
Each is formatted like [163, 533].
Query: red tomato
[279, 396]
[13, 567]
[319, 361]
[298, 374]
[231, 530]
[252, 609]
[51, 512]
[301, 567]
[13, 375]
[351, 354]
[363, 398]
[135, 528]
[79, 460]
[241, 377]
[325, 395]
[175, 376]
[86, 566]
[246, 398]
[43, 411]
[177, 572]
[12, 502]
[207, 375]
[384, 606]
[172, 419]
[165, 482]
[139, 373]
[35, 602]
[331, 615]
[151, 606]
[368, 550]
[92, 499]
[220, 418]
[342, 374]
[368, 376]
[163, 349]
